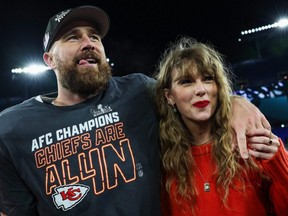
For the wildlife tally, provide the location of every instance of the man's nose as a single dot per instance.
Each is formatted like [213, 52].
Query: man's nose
[87, 44]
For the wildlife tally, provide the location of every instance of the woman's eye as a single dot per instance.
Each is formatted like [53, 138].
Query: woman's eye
[184, 81]
[208, 78]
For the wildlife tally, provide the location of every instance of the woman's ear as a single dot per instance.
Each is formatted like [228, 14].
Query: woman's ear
[169, 97]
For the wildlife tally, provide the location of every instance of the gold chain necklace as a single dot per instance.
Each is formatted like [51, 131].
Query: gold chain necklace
[206, 182]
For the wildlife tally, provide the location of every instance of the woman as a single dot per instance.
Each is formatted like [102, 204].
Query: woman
[202, 173]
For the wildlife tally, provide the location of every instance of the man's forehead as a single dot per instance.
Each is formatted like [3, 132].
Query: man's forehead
[73, 26]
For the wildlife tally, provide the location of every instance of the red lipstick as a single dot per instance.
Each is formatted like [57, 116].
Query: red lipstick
[201, 104]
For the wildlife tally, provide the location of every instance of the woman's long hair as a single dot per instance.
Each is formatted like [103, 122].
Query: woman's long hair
[177, 161]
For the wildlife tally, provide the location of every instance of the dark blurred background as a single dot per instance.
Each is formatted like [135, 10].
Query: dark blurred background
[141, 30]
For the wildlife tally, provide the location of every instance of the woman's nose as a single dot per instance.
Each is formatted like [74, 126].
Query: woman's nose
[200, 89]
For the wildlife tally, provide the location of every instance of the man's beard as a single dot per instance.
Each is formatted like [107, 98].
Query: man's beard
[85, 82]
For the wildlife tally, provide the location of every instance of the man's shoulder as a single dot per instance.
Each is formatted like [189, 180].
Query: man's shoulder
[135, 78]
[12, 110]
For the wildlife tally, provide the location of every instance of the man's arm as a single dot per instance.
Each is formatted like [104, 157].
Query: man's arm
[245, 117]
[15, 197]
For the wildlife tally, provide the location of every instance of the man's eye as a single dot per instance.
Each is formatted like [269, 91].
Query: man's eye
[72, 37]
[94, 38]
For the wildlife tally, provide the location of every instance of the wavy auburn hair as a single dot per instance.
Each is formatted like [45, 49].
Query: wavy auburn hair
[177, 162]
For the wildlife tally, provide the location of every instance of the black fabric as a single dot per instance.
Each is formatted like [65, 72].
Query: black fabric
[99, 157]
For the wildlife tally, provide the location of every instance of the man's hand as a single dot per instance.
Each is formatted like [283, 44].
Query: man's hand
[263, 144]
[245, 118]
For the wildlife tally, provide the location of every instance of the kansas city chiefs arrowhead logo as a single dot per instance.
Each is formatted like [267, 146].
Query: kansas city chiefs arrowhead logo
[68, 196]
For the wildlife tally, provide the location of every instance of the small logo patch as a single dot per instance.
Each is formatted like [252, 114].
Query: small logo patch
[68, 196]
[100, 110]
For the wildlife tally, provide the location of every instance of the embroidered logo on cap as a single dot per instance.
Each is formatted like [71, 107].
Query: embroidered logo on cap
[61, 15]
[46, 39]
[57, 19]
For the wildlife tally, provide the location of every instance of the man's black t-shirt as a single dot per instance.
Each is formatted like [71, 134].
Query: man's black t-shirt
[98, 157]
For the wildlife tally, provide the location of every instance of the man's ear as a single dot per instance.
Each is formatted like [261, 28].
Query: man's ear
[169, 96]
[48, 59]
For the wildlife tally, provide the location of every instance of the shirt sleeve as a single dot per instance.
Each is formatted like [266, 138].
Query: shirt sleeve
[277, 169]
[15, 197]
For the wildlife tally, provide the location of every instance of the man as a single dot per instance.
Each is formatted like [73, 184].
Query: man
[92, 149]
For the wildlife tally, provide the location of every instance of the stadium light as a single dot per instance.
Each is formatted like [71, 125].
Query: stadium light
[31, 69]
[281, 23]
[39, 68]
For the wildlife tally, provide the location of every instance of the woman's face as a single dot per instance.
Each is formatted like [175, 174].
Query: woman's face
[195, 96]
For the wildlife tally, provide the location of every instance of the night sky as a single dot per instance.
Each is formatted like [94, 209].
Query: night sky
[140, 29]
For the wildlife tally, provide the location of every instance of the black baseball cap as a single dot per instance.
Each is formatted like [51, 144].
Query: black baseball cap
[94, 15]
